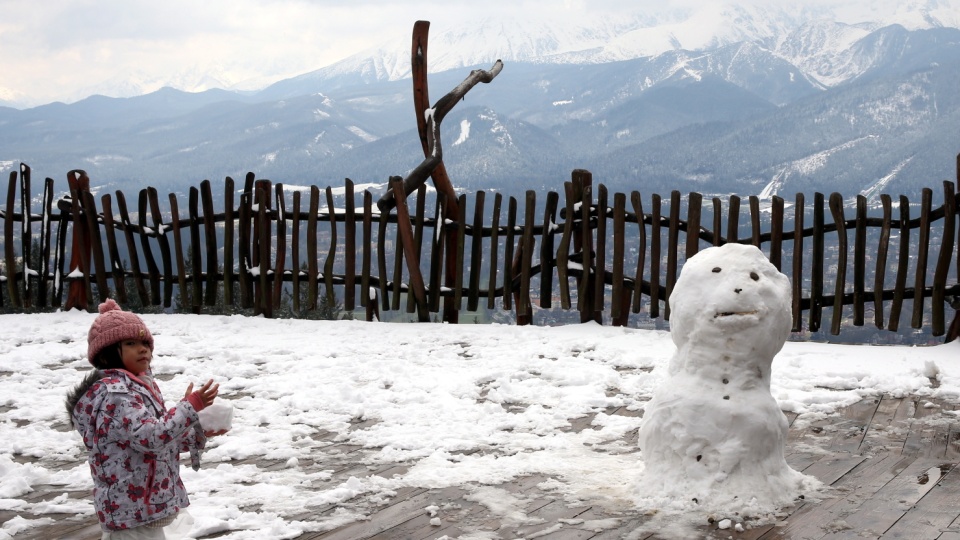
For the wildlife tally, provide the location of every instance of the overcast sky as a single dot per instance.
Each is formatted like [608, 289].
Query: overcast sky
[49, 48]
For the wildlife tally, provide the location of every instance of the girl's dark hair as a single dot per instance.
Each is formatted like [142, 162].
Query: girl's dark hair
[108, 358]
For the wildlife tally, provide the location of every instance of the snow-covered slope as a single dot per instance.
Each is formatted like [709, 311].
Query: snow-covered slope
[819, 39]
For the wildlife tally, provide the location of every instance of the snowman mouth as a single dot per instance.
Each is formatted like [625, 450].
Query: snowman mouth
[734, 314]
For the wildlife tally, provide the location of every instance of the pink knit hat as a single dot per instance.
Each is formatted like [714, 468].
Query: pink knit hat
[114, 325]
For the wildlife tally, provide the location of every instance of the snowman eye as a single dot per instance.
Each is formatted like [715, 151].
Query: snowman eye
[716, 270]
[754, 276]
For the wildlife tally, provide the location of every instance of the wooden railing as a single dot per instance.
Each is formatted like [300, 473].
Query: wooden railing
[527, 255]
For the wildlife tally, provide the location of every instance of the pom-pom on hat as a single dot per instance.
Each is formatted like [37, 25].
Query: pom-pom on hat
[114, 325]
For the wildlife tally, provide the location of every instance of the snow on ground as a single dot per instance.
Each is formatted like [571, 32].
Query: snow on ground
[430, 393]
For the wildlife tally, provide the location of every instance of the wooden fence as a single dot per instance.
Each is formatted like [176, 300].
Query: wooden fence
[575, 249]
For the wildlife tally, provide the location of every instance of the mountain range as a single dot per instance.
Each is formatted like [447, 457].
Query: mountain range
[728, 99]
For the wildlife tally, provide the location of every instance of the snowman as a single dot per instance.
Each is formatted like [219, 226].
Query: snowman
[713, 435]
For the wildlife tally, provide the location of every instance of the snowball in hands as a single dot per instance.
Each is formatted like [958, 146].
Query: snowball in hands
[216, 417]
[713, 434]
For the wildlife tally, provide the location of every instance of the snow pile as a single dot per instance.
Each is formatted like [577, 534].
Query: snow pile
[466, 405]
[713, 436]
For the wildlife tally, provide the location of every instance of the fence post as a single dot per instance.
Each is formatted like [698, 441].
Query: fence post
[78, 293]
[9, 255]
[583, 243]
[25, 235]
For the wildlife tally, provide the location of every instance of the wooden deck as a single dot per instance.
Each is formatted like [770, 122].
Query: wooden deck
[889, 461]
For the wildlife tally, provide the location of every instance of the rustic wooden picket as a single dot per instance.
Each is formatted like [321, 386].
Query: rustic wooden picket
[239, 257]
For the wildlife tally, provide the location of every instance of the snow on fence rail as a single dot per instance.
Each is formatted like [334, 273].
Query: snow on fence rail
[239, 256]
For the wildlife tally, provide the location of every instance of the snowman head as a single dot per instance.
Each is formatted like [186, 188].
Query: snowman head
[732, 297]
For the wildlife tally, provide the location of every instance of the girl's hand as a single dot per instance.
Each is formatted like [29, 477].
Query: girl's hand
[207, 393]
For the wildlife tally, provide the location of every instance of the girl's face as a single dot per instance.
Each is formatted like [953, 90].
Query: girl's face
[136, 355]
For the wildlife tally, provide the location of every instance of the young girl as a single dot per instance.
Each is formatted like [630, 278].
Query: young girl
[134, 444]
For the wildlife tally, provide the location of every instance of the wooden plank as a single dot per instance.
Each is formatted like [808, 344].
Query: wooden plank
[494, 251]
[797, 276]
[418, 526]
[926, 438]
[281, 252]
[295, 271]
[600, 266]
[880, 271]
[943, 260]
[405, 231]
[717, 221]
[99, 266]
[397, 282]
[853, 425]
[923, 249]
[228, 232]
[210, 242]
[312, 269]
[619, 301]
[418, 239]
[673, 229]
[185, 302]
[159, 229]
[508, 254]
[331, 252]
[9, 252]
[243, 251]
[392, 515]
[563, 252]
[46, 219]
[350, 244]
[263, 238]
[655, 257]
[382, 221]
[881, 510]
[59, 254]
[26, 236]
[547, 262]
[831, 469]
[436, 255]
[836, 208]
[859, 260]
[196, 259]
[369, 295]
[153, 271]
[137, 274]
[903, 262]
[525, 305]
[937, 510]
[776, 233]
[583, 243]
[816, 281]
[637, 204]
[476, 253]
[419, 224]
[814, 519]
[79, 293]
[461, 241]
[116, 263]
[886, 431]
[694, 211]
[733, 220]
[551, 528]
[755, 220]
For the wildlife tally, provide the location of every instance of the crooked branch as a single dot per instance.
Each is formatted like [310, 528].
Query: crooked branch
[434, 117]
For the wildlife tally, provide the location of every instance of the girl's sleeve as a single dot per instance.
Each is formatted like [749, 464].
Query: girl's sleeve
[131, 422]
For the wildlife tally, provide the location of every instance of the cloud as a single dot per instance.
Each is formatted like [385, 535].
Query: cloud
[68, 47]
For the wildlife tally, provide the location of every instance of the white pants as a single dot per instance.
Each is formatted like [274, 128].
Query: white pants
[174, 531]
[139, 533]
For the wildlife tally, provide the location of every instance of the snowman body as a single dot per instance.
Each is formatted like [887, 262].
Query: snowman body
[713, 432]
